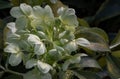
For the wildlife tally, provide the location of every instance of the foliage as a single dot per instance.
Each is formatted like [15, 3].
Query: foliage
[50, 43]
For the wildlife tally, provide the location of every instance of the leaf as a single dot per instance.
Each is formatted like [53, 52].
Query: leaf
[16, 12]
[116, 41]
[12, 27]
[21, 23]
[101, 33]
[79, 75]
[1, 73]
[30, 63]
[26, 9]
[97, 42]
[40, 49]
[46, 76]
[113, 66]
[55, 54]
[4, 4]
[43, 67]
[88, 74]
[71, 60]
[67, 16]
[15, 59]
[83, 23]
[116, 53]
[12, 48]
[109, 9]
[89, 62]
[33, 74]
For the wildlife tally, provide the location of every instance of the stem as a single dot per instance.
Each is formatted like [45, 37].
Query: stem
[10, 71]
[13, 72]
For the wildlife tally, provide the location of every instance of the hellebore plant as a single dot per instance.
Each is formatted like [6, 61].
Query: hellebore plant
[42, 42]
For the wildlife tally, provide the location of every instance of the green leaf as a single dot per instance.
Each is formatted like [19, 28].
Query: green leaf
[4, 4]
[26, 9]
[67, 16]
[40, 49]
[97, 42]
[82, 22]
[12, 27]
[12, 48]
[101, 33]
[43, 67]
[15, 59]
[33, 74]
[116, 41]
[1, 73]
[88, 74]
[16, 12]
[21, 23]
[55, 54]
[30, 63]
[116, 53]
[71, 60]
[79, 75]
[113, 66]
[46, 76]
[109, 9]
[89, 62]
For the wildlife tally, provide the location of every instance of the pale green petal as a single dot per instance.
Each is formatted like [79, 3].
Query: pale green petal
[26, 9]
[15, 59]
[40, 49]
[16, 12]
[12, 48]
[43, 67]
[30, 63]
[12, 27]
[82, 42]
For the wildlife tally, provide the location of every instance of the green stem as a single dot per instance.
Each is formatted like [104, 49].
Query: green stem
[10, 71]
[13, 72]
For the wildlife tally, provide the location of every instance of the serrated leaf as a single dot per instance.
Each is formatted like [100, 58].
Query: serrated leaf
[27, 9]
[68, 17]
[12, 48]
[30, 63]
[89, 62]
[43, 67]
[15, 59]
[40, 49]
[16, 12]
